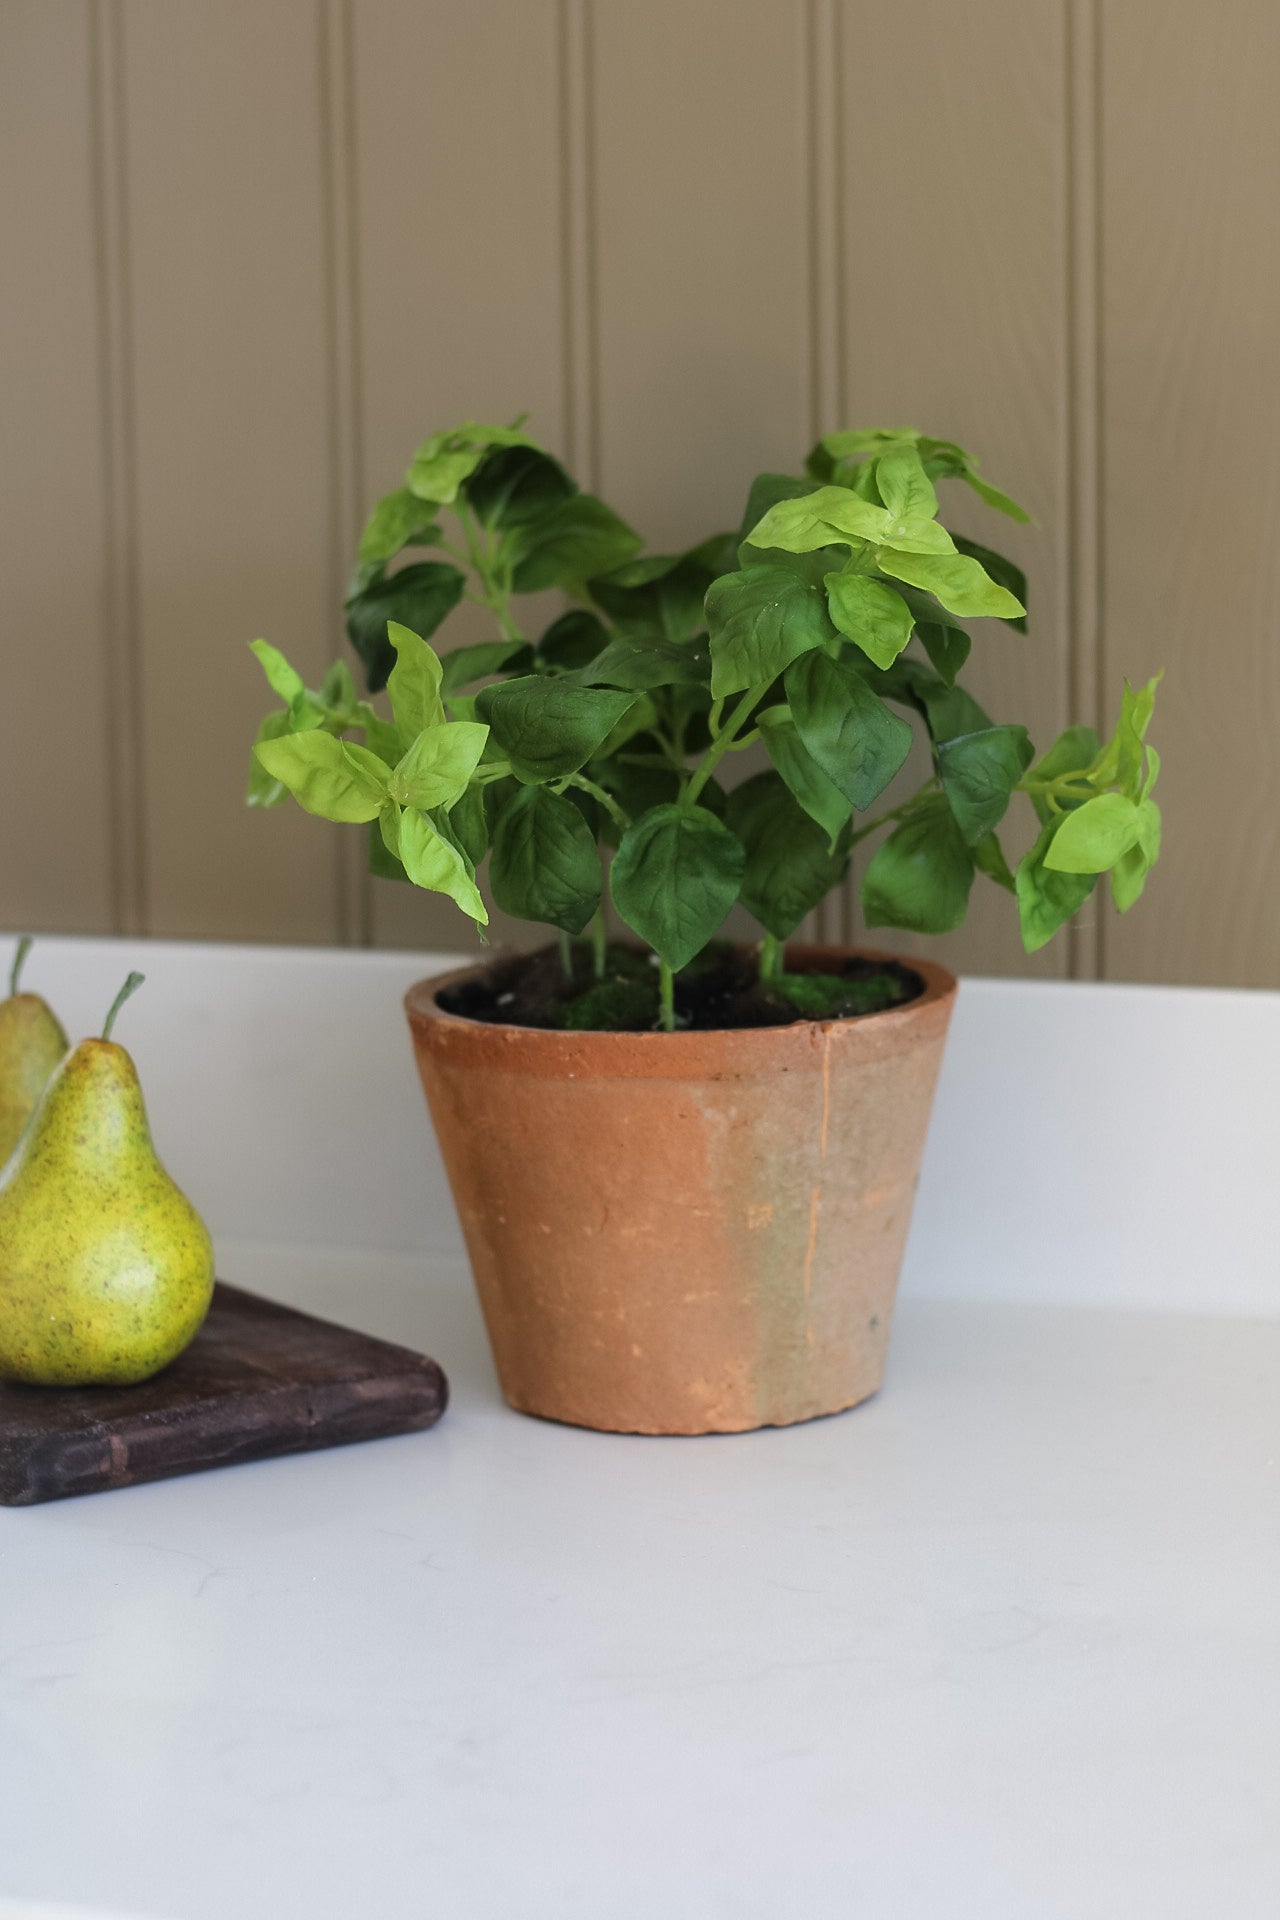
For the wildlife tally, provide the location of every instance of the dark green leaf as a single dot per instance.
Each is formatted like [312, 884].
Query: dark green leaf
[544, 864]
[979, 773]
[470, 827]
[857, 742]
[790, 866]
[642, 664]
[759, 621]
[467, 664]
[920, 877]
[988, 858]
[383, 863]
[661, 595]
[947, 648]
[767, 489]
[574, 640]
[513, 486]
[1002, 571]
[675, 877]
[418, 597]
[1046, 899]
[573, 542]
[549, 727]
[947, 710]
[821, 800]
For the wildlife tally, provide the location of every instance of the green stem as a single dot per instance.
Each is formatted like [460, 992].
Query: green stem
[130, 986]
[771, 952]
[620, 820]
[723, 741]
[599, 943]
[894, 813]
[666, 998]
[566, 955]
[19, 961]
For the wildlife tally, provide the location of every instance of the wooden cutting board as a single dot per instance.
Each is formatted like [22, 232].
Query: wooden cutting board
[258, 1379]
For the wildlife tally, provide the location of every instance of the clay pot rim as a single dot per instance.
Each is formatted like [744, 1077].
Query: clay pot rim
[555, 1050]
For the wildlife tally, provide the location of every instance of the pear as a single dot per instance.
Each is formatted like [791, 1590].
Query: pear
[106, 1269]
[31, 1044]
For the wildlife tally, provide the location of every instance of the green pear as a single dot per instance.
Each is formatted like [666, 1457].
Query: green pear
[106, 1269]
[31, 1044]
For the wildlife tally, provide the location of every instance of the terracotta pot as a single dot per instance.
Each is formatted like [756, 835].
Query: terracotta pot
[688, 1232]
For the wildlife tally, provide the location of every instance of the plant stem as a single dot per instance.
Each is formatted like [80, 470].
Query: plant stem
[666, 998]
[894, 813]
[620, 820]
[566, 955]
[722, 742]
[599, 943]
[771, 953]
[19, 961]
[130, 986]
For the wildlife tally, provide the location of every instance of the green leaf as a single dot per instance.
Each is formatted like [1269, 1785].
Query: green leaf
[470, 824]
[820, 798]
[993, 496]
[956, 580]
[399, 520]
[264, 790]
[1074, 751]
[414, 683]
[979, 773]
[1129, 874]
[1002, 571]
[1120, 762]
[829, 516]
[767, 489]
[642, 664]
[947, 710]
[573, 640]
[790, 866]
[282, 679]
[513, 486]
[675, 877]
[431, 861]
[466, 664]
[329, 777]
[870, 614]
[576, 540]
[857, 742]
[544, 864]
[1093, 837]
[444, 461]
[947, 648]
[661, 595]
[760, 620]
[383, 864]
[920, 877]
[549, 727]
[1047, 898]
[418, 597]
[988, 858]
[438, 766]
[904, 486]
[379, 735]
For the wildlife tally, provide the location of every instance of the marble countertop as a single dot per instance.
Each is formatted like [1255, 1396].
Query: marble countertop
[1003, 1642]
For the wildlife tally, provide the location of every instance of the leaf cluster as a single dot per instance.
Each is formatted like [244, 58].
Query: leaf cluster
[826, 628]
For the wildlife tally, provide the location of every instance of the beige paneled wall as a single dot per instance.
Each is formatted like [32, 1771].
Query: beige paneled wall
[253, 253]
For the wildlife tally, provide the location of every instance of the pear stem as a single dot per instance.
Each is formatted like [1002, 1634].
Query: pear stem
[19, 961]
[130, 986]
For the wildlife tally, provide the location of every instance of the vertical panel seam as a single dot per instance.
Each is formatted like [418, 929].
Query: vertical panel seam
[339, 216]
[579, 240]
[124, 710]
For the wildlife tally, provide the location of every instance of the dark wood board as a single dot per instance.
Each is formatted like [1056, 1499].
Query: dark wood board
[259, 1379]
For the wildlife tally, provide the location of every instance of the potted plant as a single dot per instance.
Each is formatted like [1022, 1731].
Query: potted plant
[684, 1167]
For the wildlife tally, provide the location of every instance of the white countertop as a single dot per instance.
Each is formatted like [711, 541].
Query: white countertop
[1001, 1644]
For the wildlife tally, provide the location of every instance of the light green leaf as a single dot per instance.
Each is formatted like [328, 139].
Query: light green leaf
[767, 489]
[329, 777]
[414, 683]
[1120, 762]
[446, 459]
[921, 876]
[282, 679]
[438, 766]
[871, 614]
[264, 790]
[1129, 874]
[959, 582]
[432, 862]
[979, 773]
[380, 736]
[1004, 572]
[544, 863]
[820, 798]
[790, 866]
[1093, 837]
[993, 496]
[759, 621]
[418, 597]
[550, 727]
[857, 742]
[830, 516]
[399, 520]
[674, 878]
[1047, 898]
[904, 486]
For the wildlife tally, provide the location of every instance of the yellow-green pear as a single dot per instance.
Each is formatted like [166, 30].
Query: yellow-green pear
[31, 1044]
[106, 1269]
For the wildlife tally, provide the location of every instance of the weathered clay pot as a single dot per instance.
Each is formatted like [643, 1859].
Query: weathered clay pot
[690, 1232]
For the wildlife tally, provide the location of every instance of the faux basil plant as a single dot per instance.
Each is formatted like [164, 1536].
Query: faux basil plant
[834, 618]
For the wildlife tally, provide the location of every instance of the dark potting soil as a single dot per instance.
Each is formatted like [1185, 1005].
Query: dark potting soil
[720, 989]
